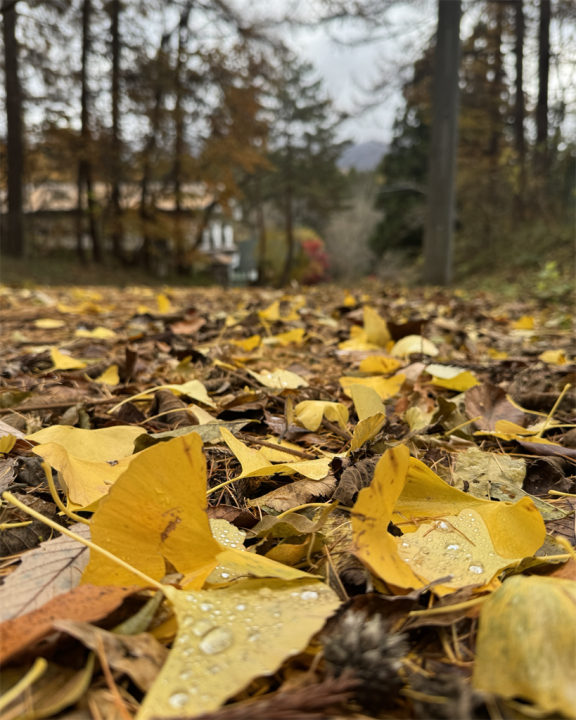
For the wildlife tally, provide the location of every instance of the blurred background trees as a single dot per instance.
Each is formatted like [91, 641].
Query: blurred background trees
[131, 128]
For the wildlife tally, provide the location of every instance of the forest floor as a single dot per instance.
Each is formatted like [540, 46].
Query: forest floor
[250, 504]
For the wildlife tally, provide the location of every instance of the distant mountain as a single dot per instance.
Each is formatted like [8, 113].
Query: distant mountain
[363, 157]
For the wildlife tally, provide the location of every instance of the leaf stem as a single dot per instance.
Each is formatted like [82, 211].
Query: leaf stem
[88, 543]
[36, 671]
[551, 413]
[448, 608]
[463, 425]
[8, 526]
[303, 507]
[48, 472]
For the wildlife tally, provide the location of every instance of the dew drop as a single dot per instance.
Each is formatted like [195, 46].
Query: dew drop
[309, 595]
[405, 544]
[202, 627]
[178, 700]
[205, 607]
[425, 551]
[186, 674]
[452, 546]
[214, 670]
[443, 526]
[225, 575]
[216, 641]
[477, 568]
[253, 636]
[241, 607]
[265, 592]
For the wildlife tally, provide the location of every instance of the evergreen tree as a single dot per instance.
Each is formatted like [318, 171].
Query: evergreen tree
[305, 184]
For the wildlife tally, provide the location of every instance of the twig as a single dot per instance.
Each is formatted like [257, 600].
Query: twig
[290, 451]
[336, 430]
[58, 405]
[118, 701]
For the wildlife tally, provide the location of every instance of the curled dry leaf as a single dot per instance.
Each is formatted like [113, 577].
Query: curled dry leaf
[491, 404]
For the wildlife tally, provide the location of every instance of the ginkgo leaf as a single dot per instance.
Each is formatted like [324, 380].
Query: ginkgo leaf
[156, 512]
[85, 482]
[452, 378]
[103, 445]
[255, 464]
[7, 442]
[553, 357]
[248, 344]
[284, 339]
[228, 637]
[366, 400]
[109, 376]
[349, 300]
[525, 644]
[164, 305]
[413, 344]
[279, 379]
[49, 323]
[379, 364]
[366, 430]
[526, 322]
[404, 489]
[65, 362]
[385, 387]
[375, 327]
[416, 419]
[99, 333]
[279, 456]
[193, 389]
[311, 412]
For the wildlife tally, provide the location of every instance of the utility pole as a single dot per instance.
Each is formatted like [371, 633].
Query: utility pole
[439, 234]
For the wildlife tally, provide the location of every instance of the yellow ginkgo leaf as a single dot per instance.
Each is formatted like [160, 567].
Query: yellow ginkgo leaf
[273, 455]
[156, 512]
[366, 430]
[271, 313]
[193, 389]
[104, 445]
[99, 333]
[49, 323]
[526, 322]
[255, 464]
[164, 305]
[230, 636]
[85, 482]
[65, 362]
[525, 644]
[553, 357]
[413, 344]
[497, 354]
[349, 300]
[379, 364]
[464, 528]
[366, 401]
[375, 327]
[385, 387]
[311, 412]
[279, 379]
[248, 344]
[7, 442]
[109, 376]
[284, 339]
[460, 383]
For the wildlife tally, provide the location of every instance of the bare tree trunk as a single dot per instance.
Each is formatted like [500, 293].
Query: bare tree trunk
[84, 170]
[262, 243]
[116, 165]
[498, 69]
[15, 244]
[519, 107]
[80, 216]
[543, 73]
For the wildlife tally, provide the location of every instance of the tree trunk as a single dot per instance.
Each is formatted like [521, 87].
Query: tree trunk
[116, 164]
[15, 239]
[84, 170]
[262, 242]
[289, 220]
[80, 216]
[498, 69]
[519, 108]
[439, 235]
[543, 73]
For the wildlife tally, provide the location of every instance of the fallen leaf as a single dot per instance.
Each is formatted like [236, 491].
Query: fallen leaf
[475, 471]
[49, 323]
[209, 433]
[248, 344]
[553, 357]
[109, 376]
[104, 445]
[526, 322]
[525, 645]
[193, 389]
[385, 387]
[413, 344]
[279, 379]
[239, 633]
[367, 430]
[375, 327]
[99, 333]
[164, 305]
[491, 404]
[7, 442]
[139, 656]
[452, 378]
[295, 493]
[379, 364]
[88, 603]
[65, 362]
[366, 400]
[50, 570]
[311, 412]
[285, 339]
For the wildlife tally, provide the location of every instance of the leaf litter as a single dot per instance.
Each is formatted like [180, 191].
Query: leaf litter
[389, 477]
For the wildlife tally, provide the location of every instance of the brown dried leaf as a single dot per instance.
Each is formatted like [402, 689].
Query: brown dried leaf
[52, 569]
[87, 602]
[491, 403]
[296, 493]
[138, 656]
[18, 539]
[354, 479]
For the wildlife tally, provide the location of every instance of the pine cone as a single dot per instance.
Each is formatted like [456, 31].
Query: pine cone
[365, 647]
